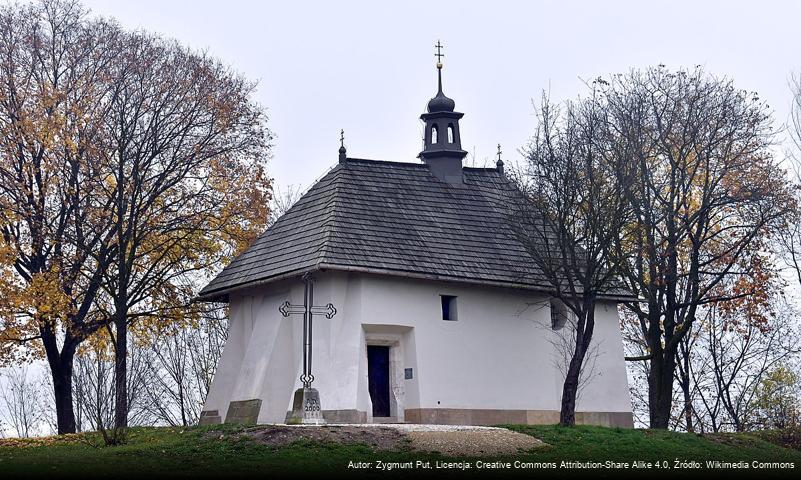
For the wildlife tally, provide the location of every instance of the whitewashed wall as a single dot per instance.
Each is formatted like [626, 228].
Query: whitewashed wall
[499, 354]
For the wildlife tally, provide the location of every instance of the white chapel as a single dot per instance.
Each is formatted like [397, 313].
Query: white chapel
[424, 308]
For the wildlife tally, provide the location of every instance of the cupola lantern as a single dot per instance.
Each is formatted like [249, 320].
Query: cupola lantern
[442, 143]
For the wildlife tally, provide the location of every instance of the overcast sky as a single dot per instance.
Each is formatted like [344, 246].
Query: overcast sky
[368, 67]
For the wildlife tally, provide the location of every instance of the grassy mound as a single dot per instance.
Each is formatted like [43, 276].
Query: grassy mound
[232, 451]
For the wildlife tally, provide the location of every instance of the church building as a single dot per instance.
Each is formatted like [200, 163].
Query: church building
[428, 311]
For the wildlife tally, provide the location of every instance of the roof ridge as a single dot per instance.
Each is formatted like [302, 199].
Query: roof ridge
[386, 162]
[329, 224]
[280, 221]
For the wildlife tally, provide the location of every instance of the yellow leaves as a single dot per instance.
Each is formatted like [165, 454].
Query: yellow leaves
[99, 344]
[244, 192]
[224, 111]
[64, 439]
[6, 255]
[776, 397]
[10, 290]
[44, 297]
[24, 307]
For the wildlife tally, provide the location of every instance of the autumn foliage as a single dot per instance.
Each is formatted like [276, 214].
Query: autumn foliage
[130, 168]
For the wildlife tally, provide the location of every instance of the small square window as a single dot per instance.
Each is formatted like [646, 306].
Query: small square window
[448, 307]
[560, 314]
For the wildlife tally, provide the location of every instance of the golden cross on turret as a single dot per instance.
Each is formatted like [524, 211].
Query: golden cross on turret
[439, 54]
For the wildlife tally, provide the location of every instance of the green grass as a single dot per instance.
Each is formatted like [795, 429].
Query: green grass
[217, 451]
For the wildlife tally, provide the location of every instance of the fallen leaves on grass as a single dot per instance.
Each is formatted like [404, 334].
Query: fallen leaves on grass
[788, 438]
[66, 439]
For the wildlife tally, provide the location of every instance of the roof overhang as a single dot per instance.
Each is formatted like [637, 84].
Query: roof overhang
[222, 295]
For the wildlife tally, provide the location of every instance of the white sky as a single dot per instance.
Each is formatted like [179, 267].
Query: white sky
[368, 67]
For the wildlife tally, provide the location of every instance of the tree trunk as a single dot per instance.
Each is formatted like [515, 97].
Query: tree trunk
[584, 330]
[60, 363]
[684, 377]
[61, 373]
[62, 389]
[567, 414]
[688, 407]
[660, 389]
[181, 401]
[121, 311]
[120, 372]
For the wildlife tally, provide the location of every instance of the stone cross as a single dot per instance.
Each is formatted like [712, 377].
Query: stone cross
[306, 405]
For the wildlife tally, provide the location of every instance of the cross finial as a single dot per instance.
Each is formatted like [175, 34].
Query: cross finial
[499, 163]
[342, 152]
[439, 54]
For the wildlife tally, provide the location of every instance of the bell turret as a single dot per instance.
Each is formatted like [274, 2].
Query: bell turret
[442, 143]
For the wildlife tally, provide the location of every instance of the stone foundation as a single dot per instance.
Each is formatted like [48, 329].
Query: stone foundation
[247, 412]
[479, 416]
[606, 419]
[345, 416]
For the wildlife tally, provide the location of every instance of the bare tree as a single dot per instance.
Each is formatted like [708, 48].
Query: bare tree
[568, 218]
[95, 392]
[795, 112]
[283, 199]
[732, 357]
[692, 155]
[21, 402]
[182, 366]
[791, 234]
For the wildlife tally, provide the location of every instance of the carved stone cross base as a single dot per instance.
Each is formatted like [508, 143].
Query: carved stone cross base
[306, 408]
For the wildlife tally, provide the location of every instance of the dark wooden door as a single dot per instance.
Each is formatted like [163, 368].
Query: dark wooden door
[378, 374]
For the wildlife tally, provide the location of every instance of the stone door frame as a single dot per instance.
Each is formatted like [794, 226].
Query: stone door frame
[397, 391]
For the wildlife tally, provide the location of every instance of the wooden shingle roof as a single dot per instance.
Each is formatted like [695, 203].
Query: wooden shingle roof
[389, 218]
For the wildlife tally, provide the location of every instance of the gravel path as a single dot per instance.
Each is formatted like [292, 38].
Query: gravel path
[407, 427]
[473, 443]
[453, 440]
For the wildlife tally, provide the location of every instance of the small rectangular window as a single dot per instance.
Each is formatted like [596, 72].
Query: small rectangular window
[448, 307]
[560, 314]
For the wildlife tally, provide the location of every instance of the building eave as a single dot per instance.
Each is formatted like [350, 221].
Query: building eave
[223, 295]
